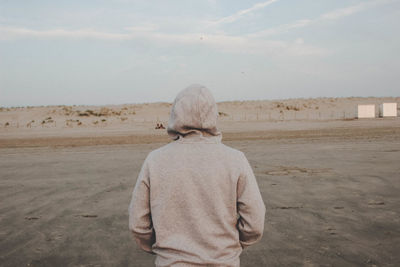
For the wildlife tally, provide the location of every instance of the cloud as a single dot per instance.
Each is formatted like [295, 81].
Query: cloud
[143, 28]
[241, 13]
[347, 11]
[10, 33]
[333, 15]
[221, 42]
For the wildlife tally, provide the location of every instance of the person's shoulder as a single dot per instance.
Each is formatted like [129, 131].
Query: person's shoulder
[159, 151]
[233, 151]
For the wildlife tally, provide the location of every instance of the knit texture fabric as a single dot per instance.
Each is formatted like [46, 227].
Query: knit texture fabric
[196, 201]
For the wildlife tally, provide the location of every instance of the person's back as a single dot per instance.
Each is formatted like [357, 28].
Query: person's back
[196, 201]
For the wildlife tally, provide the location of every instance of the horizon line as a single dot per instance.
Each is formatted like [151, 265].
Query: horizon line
[218, 102]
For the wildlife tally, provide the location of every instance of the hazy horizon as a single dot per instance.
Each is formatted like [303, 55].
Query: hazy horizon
[133, 51]
[221, 101]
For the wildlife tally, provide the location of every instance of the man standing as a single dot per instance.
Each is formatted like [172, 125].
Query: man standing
[196, 201]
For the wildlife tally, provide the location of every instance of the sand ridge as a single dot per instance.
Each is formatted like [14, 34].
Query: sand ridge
[131, 124]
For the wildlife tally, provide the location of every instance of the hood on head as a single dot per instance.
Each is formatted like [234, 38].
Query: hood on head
[193, 111]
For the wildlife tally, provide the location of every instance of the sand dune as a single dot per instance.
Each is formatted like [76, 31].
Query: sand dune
[141, 119]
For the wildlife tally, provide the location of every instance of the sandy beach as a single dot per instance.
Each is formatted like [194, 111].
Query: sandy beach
[330, 182]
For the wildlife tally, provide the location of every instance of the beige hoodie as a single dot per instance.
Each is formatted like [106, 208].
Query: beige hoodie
[196, 201]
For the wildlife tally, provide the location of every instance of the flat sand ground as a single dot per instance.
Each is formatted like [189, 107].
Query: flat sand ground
[331, 188]
[332, 200]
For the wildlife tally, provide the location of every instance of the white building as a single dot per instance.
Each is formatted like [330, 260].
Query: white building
[366, 111]
[388, 110]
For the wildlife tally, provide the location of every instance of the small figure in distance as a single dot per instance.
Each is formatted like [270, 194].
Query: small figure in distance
[196, 201]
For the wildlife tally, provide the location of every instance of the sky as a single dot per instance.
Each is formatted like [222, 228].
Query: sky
[99, 52]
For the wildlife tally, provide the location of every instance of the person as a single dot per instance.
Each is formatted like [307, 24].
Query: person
[196, 201]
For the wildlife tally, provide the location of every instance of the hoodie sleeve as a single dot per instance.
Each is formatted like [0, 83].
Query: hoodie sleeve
[250, 207]
[140, 223]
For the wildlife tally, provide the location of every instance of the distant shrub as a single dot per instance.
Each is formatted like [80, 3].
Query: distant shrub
[47, 120]
[88, 113]
[104, 112]
[292, 108]
[72, 120]
[67, 110]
